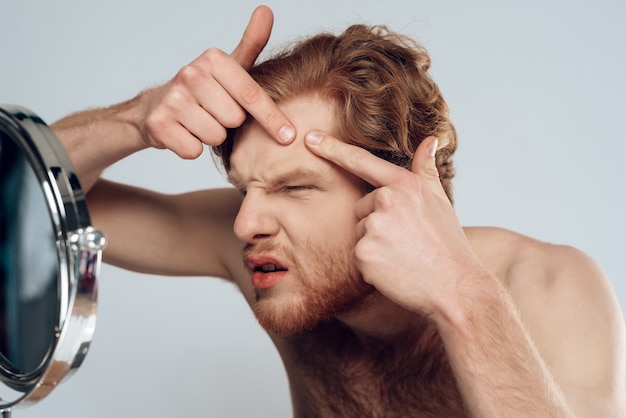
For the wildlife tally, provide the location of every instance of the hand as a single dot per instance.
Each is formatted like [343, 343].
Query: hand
[213, 93]
[410, 246]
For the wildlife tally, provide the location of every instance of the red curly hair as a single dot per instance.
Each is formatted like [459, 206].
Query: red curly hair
[386, 102]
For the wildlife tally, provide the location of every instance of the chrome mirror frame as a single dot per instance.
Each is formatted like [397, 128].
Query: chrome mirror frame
[79, 249]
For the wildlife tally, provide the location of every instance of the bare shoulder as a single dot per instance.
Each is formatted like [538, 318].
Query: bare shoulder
[570, 311]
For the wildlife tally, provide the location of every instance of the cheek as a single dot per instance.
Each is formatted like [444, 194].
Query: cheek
[334, 220]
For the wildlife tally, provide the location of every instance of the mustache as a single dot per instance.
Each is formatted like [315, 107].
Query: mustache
[269, 247]
[263, 247]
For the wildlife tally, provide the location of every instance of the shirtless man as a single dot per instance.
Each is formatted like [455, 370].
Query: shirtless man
[378, 301]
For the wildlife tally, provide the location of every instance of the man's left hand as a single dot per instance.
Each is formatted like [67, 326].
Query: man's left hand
[411, 246]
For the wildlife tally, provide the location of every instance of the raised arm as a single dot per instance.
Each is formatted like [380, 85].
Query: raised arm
[208, 95]
[185, 234]
[545, 341]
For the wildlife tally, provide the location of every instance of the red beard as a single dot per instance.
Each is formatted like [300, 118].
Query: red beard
[327, 284]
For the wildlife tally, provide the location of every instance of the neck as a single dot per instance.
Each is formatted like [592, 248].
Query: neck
[378, 317]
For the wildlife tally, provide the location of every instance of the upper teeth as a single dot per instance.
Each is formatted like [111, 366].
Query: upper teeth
[269, 267]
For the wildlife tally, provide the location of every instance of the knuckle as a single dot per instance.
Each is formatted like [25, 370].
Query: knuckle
[359, 253]
[384, 198]
[357, 157]
[213, 55]
[363, 254]
[251, 93]
[235, 119]
[215, 136]
[274, 119]
[190, 150]
[163, 114]
[374, 224]
[155, 123]
[189, 74]
[172, 100]
[431, 171]
[207, 131]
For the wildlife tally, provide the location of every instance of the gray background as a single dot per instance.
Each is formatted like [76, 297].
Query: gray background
[536, 91]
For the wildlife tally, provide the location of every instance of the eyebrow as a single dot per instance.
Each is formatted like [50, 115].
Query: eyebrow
[277, 181]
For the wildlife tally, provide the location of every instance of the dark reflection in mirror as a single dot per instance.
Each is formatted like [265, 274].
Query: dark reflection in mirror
[29, 306]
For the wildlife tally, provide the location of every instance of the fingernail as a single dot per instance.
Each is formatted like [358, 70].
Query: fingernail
[285, 134]
[314, 138]
[432, 148]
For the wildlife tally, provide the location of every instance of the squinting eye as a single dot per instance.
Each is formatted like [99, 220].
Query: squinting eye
[297, 188]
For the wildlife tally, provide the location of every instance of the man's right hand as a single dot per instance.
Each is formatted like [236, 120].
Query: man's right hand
[213, 93]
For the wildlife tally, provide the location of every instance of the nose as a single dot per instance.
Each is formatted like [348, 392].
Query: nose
[255, 221]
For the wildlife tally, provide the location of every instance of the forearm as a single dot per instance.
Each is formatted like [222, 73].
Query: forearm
[187, 234]
[499, 371]
[97, 138]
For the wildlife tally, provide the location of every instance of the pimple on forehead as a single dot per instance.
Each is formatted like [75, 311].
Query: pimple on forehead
[257, 155]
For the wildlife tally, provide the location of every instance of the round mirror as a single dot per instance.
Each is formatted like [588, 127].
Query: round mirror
[49, 261]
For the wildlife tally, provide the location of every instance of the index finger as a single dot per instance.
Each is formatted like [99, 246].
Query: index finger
[236, 81]
[356, 160]
[255, 37]
[239, 85]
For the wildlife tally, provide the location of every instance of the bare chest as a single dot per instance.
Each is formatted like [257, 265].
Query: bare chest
[344, 378]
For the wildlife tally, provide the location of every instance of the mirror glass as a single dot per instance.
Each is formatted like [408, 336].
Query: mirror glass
[49, 260]
[29, 307]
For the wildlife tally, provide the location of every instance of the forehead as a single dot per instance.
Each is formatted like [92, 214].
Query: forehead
[257, 155]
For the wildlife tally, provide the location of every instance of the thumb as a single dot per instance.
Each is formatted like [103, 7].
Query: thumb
[424, 164]
[255, 37]
[424, 159]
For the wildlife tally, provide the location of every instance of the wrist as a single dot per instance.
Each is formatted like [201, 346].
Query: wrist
[97, 138]
[477, 293]
[130, 117]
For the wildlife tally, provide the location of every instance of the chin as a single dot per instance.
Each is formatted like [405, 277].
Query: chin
[296, 315]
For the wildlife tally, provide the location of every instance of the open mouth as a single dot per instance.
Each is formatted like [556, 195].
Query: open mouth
[265, 273]
[268, 268]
